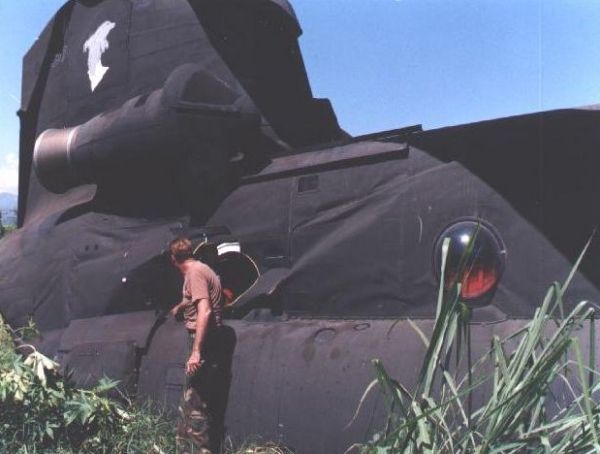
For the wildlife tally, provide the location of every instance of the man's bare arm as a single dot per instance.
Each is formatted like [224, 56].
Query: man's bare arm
[202, 319]
[179, 307]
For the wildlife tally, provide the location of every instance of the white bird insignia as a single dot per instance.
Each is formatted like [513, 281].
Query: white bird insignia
[95, 46]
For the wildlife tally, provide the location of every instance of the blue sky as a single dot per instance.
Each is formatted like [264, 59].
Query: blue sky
[393, 63]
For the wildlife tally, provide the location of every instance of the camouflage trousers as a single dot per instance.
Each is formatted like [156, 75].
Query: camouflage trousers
[194, 416]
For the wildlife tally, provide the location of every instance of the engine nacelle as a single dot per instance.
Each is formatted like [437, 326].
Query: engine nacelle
[193, 113]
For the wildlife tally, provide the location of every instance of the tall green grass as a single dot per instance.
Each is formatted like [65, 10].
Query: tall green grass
[518, 374]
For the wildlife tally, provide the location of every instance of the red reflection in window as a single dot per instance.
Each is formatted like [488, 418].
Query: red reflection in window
[478, 281]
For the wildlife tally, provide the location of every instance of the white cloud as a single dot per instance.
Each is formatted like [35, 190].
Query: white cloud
[9, 173]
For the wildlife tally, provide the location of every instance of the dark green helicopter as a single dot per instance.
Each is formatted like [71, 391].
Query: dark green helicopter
[143, 120]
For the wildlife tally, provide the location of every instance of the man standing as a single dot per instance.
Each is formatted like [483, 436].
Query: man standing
[201, 306]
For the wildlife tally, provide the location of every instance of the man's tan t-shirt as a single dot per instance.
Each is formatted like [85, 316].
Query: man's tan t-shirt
[201, 282]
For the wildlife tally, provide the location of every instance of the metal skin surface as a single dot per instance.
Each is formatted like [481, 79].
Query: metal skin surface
[198, 119]
[290, 377]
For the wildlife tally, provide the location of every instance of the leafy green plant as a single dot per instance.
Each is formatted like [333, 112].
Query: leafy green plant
[259, 448]
[435, 418]
[6, 230]
[44, 412]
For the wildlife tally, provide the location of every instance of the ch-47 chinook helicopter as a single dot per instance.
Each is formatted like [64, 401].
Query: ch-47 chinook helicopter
[143, 120]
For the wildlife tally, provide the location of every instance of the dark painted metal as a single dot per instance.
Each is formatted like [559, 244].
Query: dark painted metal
[204, 124]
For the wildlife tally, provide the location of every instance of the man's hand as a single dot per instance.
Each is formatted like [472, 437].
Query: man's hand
[194, 363]
[176, 309]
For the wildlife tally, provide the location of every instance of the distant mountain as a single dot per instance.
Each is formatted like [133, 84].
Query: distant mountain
[8, 208]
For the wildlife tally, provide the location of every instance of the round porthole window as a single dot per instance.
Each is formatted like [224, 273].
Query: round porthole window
[476, 258]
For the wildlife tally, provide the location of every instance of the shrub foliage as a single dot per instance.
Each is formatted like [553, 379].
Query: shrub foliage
[45, 413]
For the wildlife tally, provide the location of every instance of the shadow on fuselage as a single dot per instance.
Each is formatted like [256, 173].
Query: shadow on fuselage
[214, 380]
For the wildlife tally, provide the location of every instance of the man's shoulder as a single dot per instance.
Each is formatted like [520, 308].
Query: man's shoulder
[201, 268]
